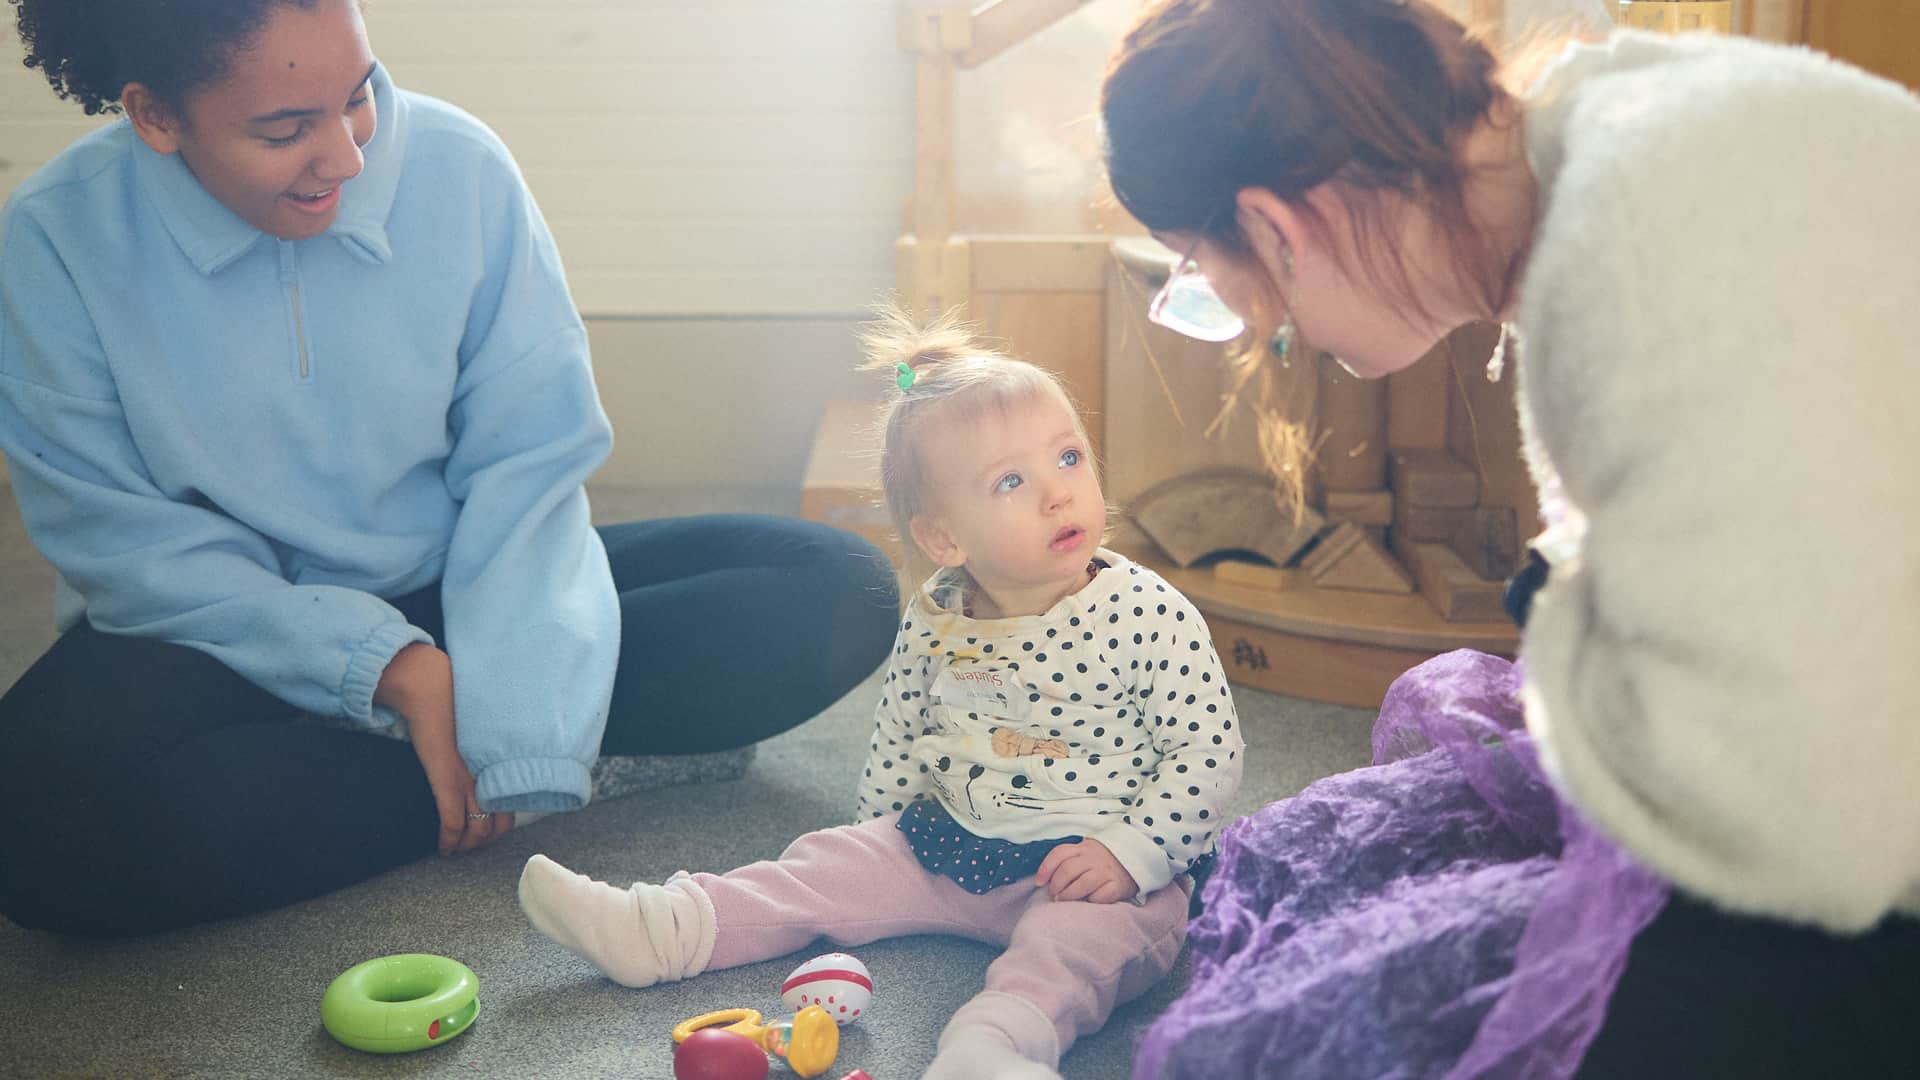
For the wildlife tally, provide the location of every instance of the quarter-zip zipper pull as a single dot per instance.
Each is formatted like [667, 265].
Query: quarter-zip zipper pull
[290, 277]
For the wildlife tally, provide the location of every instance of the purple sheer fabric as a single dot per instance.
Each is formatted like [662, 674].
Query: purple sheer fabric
[1441, 913]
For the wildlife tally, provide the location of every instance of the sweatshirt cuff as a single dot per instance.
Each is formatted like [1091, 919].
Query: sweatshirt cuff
[1139, 856]
[369, 662]
[544, 784]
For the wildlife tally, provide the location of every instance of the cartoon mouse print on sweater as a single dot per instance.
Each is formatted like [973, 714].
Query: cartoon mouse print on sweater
[1010, 743]
[1006, 743]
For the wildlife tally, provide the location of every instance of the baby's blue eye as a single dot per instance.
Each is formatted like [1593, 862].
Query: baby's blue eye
[1007, 483]
[1069, 458]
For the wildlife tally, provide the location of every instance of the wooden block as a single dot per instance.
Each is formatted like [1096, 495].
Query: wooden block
[1203, 513]
[1483, 422]
[1361, 507]
[846, 447]
[1417, 401]
[1331, 548]
[1250, 575]
[1433, 478]
[841, 486]
[1062, 331]
[1488, 542]
[1455, 592]
[1347, 558]
[1352, 429]
[855, 511]
[1429, 524]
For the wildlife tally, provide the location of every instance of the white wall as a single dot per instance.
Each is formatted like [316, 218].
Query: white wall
[725, 179]
[709, 158]
[712, 158]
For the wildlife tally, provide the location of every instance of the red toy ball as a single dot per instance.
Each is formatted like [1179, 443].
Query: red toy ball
[718, 1054]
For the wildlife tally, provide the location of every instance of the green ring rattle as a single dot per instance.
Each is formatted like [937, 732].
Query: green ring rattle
[393, 1004]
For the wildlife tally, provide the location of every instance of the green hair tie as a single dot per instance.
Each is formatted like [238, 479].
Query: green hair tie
[905, 378]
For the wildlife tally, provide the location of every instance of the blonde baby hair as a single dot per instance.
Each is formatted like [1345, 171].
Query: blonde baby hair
[938, 370]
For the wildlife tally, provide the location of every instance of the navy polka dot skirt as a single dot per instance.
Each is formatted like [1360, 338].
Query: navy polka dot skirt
[978, 864]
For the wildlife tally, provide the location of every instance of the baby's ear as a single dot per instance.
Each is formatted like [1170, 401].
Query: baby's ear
[936, 542]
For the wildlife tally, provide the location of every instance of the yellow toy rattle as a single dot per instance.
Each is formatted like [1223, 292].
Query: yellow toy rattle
[807, 1043]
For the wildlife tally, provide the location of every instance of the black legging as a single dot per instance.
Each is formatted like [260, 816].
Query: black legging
[1710, 995]
[150, 787]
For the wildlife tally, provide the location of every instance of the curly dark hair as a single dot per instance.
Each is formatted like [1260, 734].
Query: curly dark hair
[90, 49]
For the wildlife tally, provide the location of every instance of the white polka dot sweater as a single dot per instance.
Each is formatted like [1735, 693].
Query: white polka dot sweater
[1107, 717]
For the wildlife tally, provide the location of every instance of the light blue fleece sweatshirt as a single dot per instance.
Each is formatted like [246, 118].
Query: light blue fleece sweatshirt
[241, 444]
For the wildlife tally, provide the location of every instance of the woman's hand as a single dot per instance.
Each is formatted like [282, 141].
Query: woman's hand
[1085, 871]
[418, 684]
[463, 825]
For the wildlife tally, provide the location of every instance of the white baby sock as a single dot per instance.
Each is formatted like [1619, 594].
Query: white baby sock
[979, 1044]
[637, 936]
[983, 1053]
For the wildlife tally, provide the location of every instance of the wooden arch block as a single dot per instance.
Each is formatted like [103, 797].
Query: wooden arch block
[1203, 513]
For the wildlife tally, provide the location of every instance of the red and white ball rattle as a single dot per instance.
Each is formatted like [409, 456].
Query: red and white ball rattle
[836, 982]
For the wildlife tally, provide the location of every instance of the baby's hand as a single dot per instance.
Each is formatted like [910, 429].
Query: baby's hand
[1085, 871]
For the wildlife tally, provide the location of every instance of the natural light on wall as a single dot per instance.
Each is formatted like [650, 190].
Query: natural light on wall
[736, 157]
[1027, 134]
[746, 157]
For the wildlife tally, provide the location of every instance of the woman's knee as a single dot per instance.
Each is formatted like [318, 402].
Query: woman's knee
[865, 607]
[860, 565]
[64, 862]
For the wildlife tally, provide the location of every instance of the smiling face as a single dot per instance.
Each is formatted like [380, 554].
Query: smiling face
[277, 137]
[1015, 500]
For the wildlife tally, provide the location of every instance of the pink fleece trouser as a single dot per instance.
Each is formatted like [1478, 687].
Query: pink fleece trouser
[1072, 961]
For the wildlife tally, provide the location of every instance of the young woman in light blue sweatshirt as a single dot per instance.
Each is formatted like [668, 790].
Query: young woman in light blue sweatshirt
[295, 400]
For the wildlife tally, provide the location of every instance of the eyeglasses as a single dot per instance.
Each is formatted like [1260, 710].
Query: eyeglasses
[1187, 304]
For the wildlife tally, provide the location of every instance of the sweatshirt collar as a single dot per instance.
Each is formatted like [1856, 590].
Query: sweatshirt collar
[939, 602]
[212, 236]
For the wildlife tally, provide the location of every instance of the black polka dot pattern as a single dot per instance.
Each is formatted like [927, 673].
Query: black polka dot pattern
[1129, 738]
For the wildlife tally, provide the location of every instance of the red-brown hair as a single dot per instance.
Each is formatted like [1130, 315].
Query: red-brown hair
[1205, 98]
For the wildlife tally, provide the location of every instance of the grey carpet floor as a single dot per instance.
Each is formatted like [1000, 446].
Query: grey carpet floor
[241, 998]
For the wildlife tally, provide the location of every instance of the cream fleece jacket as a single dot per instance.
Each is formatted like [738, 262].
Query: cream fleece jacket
[1719, 372]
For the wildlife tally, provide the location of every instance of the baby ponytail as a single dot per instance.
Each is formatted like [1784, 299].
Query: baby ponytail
[895, 343]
